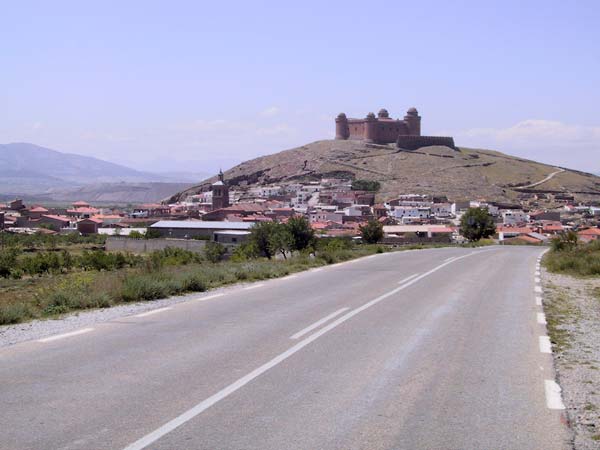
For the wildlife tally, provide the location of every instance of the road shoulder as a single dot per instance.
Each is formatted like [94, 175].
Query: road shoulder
[572, 308]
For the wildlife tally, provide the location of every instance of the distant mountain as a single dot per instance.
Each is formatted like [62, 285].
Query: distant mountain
[183, 177]
[24, 167]
[33, 172]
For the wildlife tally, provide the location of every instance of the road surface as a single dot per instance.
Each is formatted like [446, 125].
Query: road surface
[430, 349]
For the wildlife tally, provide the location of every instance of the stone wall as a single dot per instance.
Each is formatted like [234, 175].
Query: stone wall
[125, 244]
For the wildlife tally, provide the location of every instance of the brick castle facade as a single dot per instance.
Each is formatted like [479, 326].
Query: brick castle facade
[406, 133]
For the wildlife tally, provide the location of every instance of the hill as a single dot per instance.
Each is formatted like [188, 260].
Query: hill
[34, 172]
[460, 174]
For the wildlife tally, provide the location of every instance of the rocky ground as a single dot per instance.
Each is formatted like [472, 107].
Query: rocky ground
[572, 307]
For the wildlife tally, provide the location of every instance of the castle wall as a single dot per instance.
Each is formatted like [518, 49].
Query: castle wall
[357, 129]
[388, 132]
[410, 142]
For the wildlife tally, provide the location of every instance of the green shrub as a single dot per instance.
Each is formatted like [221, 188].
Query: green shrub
[214, 252]
[8, 261]
[143, 287]
[564, 241]
[581, 260]
[13, 313]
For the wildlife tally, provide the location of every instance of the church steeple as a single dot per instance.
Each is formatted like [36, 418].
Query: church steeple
[220, 193]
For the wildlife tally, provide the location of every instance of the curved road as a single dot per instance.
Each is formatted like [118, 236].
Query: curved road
[537, 183]
[431, 349]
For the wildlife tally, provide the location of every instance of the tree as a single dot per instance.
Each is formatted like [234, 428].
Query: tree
[366, 185]
[259, 238]
[280, 239]
[371, 232]
[303, 236]
[269, 238]
[476, 224]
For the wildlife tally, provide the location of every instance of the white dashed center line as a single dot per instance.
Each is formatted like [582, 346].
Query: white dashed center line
[318, 323]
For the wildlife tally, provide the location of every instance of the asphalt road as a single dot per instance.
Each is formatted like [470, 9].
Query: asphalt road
[430, 349]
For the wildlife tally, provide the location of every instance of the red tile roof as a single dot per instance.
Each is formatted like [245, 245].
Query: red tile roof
[62, 218]
[589, 232]
[523, 230]
[39, 209]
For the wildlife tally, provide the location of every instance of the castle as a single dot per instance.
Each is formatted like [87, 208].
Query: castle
[406, 133]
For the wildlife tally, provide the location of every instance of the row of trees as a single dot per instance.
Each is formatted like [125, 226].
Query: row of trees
[268, 239]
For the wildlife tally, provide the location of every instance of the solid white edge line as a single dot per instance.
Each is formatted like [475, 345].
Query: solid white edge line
[318, 323]
[241, 382]
[65, 335]
[408, 278]
[208, 297]
[318, 269]
[254, 286]
[553, 397]
[449, 259]
[538, 289]
[541, 318]
[154, 311]
[545, 344]
[538, 300]
[537, 280]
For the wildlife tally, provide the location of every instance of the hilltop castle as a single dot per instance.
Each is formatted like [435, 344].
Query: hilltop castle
[406, 133]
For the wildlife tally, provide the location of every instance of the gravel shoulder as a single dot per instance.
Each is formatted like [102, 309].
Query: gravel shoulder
[572, 307]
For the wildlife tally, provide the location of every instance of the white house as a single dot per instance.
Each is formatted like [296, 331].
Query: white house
[514, 217]
[411, 212]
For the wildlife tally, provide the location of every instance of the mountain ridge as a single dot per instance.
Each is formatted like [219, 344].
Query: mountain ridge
[33, 171]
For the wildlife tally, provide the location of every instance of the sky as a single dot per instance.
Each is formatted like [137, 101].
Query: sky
[198, 85]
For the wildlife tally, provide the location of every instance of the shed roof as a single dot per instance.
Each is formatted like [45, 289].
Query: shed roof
[202, 225]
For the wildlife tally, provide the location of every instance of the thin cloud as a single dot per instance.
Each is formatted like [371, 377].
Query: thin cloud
[554, 142]
[271, 111]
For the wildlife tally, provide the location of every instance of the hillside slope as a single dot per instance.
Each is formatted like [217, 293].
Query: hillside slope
[463, 174]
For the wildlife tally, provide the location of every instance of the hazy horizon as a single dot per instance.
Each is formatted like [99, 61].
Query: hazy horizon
[195, 87]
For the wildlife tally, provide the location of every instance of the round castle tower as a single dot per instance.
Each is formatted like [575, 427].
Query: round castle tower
[413, 121]
[370, 128]
[342, 131]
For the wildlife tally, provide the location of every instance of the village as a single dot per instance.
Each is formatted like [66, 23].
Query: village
[334, 207]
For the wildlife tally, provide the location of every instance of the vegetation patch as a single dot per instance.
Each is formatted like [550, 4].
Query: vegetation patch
[569, 257]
